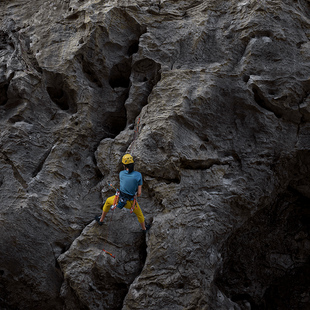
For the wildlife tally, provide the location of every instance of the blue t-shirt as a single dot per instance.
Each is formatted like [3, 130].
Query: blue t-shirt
[129, 182]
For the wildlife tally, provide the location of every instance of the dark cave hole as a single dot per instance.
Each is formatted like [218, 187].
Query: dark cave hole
[266, 264]
[3, 94]
[133, 48]
[57, 266]
[60, 93]
[246, 78]
[4, 89]
[290, 292]
[147, 70]
[262, 33]
[5, 41]
[116, 123]
[120, 75]
[119, 81]
[59, 97]
[73, 16]
[258, 97]
[16, 118]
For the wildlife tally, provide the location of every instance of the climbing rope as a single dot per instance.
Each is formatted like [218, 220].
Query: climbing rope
[136, 134]
[117, 192]
[115, 202]
[103, 250]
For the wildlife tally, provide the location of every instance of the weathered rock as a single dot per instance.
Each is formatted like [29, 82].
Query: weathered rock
[104, 278]
[212, 100]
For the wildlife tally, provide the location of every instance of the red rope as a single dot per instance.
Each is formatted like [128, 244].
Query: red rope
[108, 253]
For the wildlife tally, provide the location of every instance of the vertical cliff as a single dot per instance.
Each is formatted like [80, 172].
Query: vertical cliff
[212, 100]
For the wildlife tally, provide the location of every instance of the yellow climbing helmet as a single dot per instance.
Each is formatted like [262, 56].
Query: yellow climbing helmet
[127, 159]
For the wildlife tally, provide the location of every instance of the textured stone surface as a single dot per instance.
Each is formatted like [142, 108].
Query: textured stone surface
[212, 100]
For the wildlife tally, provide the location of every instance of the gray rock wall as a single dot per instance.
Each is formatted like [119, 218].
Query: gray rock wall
[212, 100]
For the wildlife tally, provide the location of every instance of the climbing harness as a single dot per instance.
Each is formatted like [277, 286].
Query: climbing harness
[121, 199]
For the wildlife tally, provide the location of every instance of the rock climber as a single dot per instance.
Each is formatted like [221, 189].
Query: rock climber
[130, 185]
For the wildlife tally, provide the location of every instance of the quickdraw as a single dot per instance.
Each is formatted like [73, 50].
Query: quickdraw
[133, 204]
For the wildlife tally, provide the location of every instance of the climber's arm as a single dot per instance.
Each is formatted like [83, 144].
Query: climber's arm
[139, 191]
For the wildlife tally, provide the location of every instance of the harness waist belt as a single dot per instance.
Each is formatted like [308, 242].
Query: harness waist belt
[126, 196]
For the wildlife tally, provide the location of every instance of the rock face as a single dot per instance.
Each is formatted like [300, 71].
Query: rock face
[212, 100]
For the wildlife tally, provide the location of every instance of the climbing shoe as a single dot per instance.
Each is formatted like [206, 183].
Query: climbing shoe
[97, 218]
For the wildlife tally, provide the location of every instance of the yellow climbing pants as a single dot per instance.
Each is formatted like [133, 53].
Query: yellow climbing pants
[137, 210]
